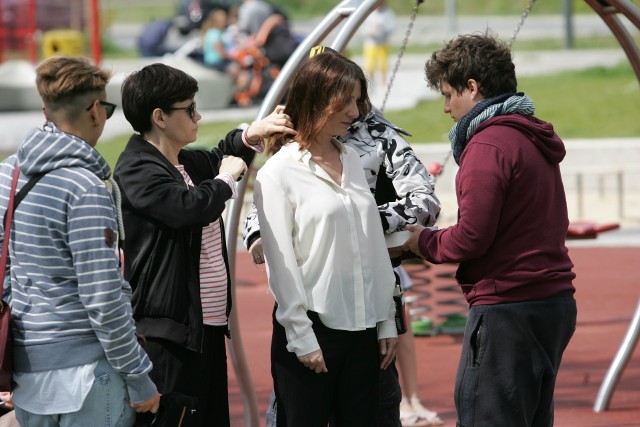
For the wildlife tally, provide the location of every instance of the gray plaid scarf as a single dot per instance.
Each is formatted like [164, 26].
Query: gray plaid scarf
[508, 103]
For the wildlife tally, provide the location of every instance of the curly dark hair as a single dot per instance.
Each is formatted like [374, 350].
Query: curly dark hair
[481, 57]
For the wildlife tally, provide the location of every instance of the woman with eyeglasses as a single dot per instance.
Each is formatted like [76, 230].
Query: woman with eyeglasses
[175, 250]
[76, 354]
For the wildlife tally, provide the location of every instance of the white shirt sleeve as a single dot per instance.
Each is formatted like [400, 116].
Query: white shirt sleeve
[285, 282]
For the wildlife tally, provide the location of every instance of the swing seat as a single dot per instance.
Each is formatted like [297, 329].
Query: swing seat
[588, 229]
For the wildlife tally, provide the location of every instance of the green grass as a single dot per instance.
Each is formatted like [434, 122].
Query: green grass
[594, 103]
[136, 12]
[594, 42]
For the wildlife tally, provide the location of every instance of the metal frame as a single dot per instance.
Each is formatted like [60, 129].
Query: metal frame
[353, 13]
[609, 11]
[618, 364]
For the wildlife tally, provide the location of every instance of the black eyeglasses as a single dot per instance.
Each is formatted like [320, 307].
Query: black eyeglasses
[191, 109]
[108, 106]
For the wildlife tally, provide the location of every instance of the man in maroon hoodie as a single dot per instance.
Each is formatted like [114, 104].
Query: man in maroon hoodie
[514, 268]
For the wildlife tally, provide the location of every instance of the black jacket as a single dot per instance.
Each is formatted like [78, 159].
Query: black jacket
[163, 230]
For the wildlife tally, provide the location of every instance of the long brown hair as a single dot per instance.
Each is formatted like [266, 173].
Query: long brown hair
[321, 87]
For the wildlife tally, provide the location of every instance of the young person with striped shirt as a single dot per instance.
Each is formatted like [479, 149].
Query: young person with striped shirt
[76, 354]
[175, 254]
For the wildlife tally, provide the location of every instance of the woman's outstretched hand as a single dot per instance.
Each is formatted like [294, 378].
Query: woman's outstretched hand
[275, 123]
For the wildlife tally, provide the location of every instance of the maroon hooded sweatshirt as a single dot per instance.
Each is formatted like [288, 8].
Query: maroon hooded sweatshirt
[512, 215]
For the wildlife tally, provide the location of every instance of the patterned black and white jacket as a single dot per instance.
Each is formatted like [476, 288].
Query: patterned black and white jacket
[402, 186]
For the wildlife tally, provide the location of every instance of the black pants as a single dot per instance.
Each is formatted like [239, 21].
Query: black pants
[347, 394]
[389, 398]
[201, 376]
[510, 359]
[390, 393]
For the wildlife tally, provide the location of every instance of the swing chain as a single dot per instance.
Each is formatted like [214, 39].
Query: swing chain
[401, 53]
[524, 16]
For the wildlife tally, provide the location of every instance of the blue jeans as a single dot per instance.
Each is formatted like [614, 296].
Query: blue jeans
[107, 404]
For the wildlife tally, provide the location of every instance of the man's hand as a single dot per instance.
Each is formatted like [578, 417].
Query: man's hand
[388, 347]
[411, 245]
[149, 405]
[314, 361]
[257, 251]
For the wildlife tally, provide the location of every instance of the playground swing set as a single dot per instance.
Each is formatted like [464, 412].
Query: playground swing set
[20, 30]
[353, 13]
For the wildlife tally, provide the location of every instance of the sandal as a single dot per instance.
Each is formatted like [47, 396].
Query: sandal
[411, 419]
[430, 417]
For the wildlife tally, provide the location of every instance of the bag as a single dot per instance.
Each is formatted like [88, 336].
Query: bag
[6, 349]
[174, 410]
[6, 341]
[401, 315]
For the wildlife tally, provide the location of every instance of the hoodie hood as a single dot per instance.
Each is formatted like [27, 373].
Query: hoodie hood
[539, 132]
[47, 149]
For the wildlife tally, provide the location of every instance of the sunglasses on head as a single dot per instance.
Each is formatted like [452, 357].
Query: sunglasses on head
[191, 109]
[108, 106]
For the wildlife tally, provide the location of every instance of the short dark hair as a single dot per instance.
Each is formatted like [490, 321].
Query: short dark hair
[480, 56]
[154, 86]
[321, 86]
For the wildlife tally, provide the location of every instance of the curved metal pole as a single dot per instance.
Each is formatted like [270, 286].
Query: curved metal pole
[607, 10]
[278, 88]
[352, 24]
[236, 349]
[618, 364]
[234, 209]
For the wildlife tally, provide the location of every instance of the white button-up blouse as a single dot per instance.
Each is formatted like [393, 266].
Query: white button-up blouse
[324, 247]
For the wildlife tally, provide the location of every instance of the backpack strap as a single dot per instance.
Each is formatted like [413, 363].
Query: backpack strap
[23, 192]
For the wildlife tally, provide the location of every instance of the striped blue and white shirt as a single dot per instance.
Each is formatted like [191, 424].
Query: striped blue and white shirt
[70, 305]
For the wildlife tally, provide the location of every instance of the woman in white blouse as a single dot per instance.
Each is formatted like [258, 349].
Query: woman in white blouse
[327, 262]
